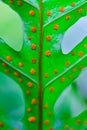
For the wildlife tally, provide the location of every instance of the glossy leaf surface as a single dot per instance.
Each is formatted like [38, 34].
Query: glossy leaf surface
[36, 60]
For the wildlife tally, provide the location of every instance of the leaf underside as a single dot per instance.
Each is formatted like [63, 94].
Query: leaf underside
[33, 60]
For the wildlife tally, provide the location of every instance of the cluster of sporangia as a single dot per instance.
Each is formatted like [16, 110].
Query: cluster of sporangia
[33, 60]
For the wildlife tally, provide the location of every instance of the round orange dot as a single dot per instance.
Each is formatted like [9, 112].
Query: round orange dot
[55, 71]
[7, 71]
[34, 29]
[29, 109]
[79, 10]
[73, 53]
[33, 60]
[11, 1]
[85, 122]
[70, 76]
[30, 84]
[49, 113]
[81, 67]
[67, 63]
[34, 102]
[67, 17]
[46, 122]
[73, 4]
[20, 80]
[28, 92]
[51, 89]
[1, 124]
[20, 64]
[46, 106]
[47, 53]
[8, 58]
[31, 12]
[62, 79]
[29, 37]
[78, 122]
[33, 46]
[16, 73]
[56, 26]
[4, 64]
[19, 2]
[32, 71]
[46, 75]
[48, 38]
[32, 119]
[51, 128]
[66, 127]
[71, 128]
[62, 9]
[85, 45]
[80, 54]
[49, 13]
[74, 70]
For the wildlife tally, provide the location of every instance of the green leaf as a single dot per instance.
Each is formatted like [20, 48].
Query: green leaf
[11, 30]
[40, 67]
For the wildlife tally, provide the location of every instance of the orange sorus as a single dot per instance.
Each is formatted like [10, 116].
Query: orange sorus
[51, 89]
[31, 12]
[33, 46]
[86, 8]
[62, 79]
[78, 122]
[20, 80]
[79, 10]
[34, 102]
[55, 71]
[62, 9]
[70, 76]
[74, 70]
[20, 64]
[11, 1]
[46, 106]
[1, 124]
[32, 71]
[85, 122]
[81, 67]
[29, 109]
[56, 26]
[46, 122]
[4, 64]
[49, 113]
[67, 17]
[29, 37]
[46, 75]
[67, 63]
[80, 54]
[51, 128]
[33, 60]
[85, 45]
[73, 53]
[8, 58]
[34, 29]
[48, 13]
[32, 119]
[73, 4]
[47, 53]
[48, 38]
[16, 73]
[19, 2]
[30, 84]
[28, 92]
[66, 127]
[71, 128]
[7, 71]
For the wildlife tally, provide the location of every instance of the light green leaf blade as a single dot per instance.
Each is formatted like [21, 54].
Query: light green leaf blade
[11, 30]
